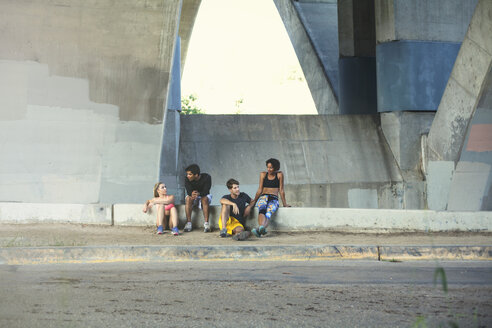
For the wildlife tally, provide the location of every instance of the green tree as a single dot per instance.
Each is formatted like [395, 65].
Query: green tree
[189, 106]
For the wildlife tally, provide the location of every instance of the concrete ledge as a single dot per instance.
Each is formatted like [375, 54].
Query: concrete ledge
[435, 252]
[104, 254]
[286, 219]
[340, 219]
[66, 213]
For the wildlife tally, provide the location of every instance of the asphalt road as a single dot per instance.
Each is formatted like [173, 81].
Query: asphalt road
[246, 294]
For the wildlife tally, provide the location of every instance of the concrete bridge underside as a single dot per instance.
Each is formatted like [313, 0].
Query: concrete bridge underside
[85, 113]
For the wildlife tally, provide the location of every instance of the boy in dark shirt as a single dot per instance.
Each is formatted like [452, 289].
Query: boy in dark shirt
[234, 212]
[197, 194]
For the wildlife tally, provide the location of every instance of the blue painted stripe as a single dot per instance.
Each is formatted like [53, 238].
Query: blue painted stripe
[412, 75]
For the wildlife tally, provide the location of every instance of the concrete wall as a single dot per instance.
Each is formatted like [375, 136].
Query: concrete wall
[328, 160]
[461, 131]
[403, 131]
[83, 88]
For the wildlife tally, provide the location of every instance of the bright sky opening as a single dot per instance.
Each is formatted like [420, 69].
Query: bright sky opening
[240, 61]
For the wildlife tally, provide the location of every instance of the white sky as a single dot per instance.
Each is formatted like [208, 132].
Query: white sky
[240, 49]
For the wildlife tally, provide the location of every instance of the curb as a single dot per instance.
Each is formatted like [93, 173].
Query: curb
[108, 254]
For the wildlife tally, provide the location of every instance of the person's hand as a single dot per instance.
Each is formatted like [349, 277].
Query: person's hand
[144, 209]
[194, 194]
[235, 209]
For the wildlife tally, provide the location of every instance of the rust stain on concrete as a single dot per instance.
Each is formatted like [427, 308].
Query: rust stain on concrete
[480, 139]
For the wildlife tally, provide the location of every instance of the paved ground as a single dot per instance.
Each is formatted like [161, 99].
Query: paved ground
[246, 294]
[42, 234]
[76, 243]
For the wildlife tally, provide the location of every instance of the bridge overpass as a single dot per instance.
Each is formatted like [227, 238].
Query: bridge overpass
[90, 99]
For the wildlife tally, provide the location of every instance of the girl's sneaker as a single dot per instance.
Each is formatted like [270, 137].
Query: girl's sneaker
[160, 231]
[262, 230]
[255, 232]
[175, 231]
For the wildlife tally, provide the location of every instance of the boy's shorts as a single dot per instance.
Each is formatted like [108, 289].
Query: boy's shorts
[198, 201]
[231, 224]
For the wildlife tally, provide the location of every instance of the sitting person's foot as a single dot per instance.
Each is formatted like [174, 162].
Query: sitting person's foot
[262, 230]
[160, 230]
[175, 231]
[243, 235]
[223, 233]
[255, 232]
[187, 227]
[206, 227]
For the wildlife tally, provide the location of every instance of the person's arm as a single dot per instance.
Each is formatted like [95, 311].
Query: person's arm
[281, 189]
[146, 206]
[167, 201]
[225, 201]
[207, 184]
[260, 188]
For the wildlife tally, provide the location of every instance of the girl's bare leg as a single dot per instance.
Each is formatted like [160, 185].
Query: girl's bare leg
[261, 219]
[160, 214]
[173, 218]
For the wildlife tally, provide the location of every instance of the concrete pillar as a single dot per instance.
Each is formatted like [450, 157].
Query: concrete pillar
[168, 172]
[417, 44]
[461, 134]
[318, 82]
[357, 64]
[189, 11]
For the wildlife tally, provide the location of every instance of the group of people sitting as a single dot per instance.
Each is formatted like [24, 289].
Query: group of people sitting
[235, 206]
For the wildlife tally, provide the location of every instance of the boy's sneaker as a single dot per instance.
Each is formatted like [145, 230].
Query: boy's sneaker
[255, 232]
[243, 235]
[187, 227]
[206, 227]
[160, 231]
[175, 231]
[262, 230]
[223, 233]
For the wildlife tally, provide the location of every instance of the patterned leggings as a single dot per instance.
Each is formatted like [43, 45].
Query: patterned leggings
[267, 205]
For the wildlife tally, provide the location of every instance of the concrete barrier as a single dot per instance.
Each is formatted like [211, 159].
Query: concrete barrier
[286, 219]
[340, 219]
[69, 213]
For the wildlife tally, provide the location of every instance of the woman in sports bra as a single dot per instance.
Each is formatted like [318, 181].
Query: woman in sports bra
[271, 185]
[165, 207]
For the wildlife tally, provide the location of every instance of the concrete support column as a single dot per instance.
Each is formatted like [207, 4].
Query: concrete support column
[460, 138]
[417, 44]
[323, 94]
[357, 64]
